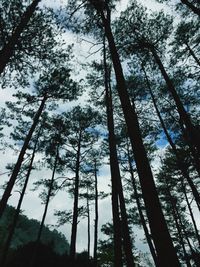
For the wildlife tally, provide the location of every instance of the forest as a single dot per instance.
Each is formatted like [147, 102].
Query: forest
[100, 133]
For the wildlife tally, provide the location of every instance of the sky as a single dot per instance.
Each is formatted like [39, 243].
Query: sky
[32, 204]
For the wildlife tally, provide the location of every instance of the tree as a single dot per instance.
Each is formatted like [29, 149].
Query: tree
[9, 47]
[46, 89]
[82, 122]
[165, 251]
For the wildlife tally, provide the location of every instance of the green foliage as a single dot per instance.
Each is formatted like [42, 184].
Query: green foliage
[26, 231]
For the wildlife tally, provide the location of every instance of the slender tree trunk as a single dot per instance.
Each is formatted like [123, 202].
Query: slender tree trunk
[75, 207]
[182, 227]
[146, 230]
[195, 9]
[114, 173]
[17, 212]
[88, 215]
[116, 177]
[96, 215]
[161, 237]
[192, 54]
[191, 213]
[48, 196]
[7, 51]
[37, 242]
[192, 138]
[187, 238]
[180, 163]
[178, 227]
[18, 164]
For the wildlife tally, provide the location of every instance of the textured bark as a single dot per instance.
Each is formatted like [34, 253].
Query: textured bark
[18, 164]
[7, 51]
[162, 240]
[75, 207]
[194, 9]
[17, 212]
[96, 215]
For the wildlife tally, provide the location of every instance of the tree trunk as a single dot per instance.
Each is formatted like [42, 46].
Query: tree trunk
[195, 9]
[17, 212]
[191, 213]
[48, 196]
[180, 163]
[88, 215]
[7, 51]
[178, 227]
[162, 240]
[18, 164]
[75, 208]
[192, 54]
[190, 134]
[146, 230]
[115, 173]
[96, 215]
[36, 247]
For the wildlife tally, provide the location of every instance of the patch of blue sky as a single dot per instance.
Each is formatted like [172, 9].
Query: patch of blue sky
[162, 141]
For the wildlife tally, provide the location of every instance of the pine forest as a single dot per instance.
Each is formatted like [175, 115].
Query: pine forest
[100, 133]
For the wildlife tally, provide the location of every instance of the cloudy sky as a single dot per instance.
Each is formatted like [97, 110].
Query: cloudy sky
[32, 204]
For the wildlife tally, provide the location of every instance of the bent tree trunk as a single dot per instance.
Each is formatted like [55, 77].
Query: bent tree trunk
[161, 237]
[7, 51]
[75, 208]
[17, 212]
[115, 175]
[18, 164]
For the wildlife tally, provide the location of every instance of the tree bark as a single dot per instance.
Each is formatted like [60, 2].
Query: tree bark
[7, 51]
[162, 240]
[75, 207]
[195, 9]
[17, 212]
[96, 215]
[18, 164]
[114, 174]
